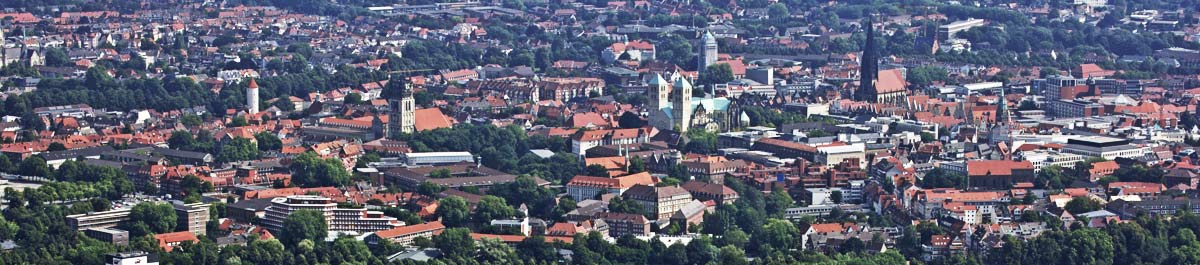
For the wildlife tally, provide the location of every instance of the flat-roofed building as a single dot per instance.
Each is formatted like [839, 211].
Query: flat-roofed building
[131, 258]
[946, 32]
[1044, 158]
[109, 235]
[405, 235]
[339, 219]
[834, 155]
[1106, 147]
[191, 217]
[105, 219]
[438, 158]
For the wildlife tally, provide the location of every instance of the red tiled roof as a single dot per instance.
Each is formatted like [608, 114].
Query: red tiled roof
[890, 81]
[432, 118]
[995, 167]
[411, 229]
[164, 240]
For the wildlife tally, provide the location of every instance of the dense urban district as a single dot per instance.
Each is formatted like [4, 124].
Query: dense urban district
[599, 132]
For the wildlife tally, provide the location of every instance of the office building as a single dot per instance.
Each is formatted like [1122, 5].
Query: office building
[108, 235]
[131, 258]
[192, 217]
[1106, 147]
[339, 219]
[946, 32]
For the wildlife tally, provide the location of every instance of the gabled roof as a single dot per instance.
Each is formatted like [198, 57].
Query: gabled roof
[411, 229]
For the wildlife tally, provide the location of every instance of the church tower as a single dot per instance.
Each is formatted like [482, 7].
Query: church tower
[659, 92]
[403, 112]
[708, 52]
[681, 112]
[252, 97]
[868, 67]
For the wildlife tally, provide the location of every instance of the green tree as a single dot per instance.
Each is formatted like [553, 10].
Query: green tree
[491, 208]
[455, 242]
[303, 225]
[182, 140]
[454, 211]
[637, 165]
[150, 218]
[57, 57]
[926, 75]
[191, 121]
[353, 98]
[238, 149]
[630, 119]
[56, 146]
[778, 201]
[941, 178]
[309, 170]
[1080, 205]
[622, 205]
[268, 141]
[1053, 177]
[780, 235]
[1088, 246]
[8, 230]
[430, 189]
[238, 121]
[596, 170]
[34, 166]
[777, 11]
[716, 74]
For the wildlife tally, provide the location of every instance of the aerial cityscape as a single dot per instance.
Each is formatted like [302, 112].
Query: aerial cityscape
[599, 132]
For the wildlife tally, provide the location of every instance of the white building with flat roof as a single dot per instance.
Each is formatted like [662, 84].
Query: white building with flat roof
[833, 155]
[339, 219]
[1107, 147]
[438, 158]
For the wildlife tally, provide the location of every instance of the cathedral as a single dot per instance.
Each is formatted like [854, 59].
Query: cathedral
[877, 86]
[672, 107]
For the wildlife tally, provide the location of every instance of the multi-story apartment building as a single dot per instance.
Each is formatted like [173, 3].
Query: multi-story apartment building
[710, 191]
[587, 187]
[581, 142]
[339, 219]
[659, 202]
[192, 217]
[620, 224]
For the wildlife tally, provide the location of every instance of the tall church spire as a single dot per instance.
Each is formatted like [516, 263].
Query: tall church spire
[869, 66]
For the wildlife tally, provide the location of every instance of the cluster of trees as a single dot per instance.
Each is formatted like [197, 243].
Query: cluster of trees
[505, 149]
[76, 182]
[541, 201]
[230, 150]
[1056, 177]
[764, 116]
[941, 178]
[98, 88]
[1147, 240]
[151, 218]
[310, 170]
